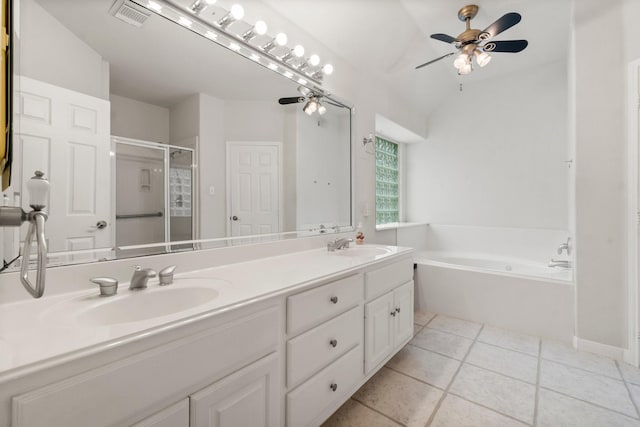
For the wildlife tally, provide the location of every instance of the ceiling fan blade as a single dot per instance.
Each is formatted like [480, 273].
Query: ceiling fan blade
[444, 38]
[511, 46]
[434, 60]
[502, 24]
[291, 100]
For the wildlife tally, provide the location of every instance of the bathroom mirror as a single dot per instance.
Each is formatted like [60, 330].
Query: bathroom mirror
[150, 134]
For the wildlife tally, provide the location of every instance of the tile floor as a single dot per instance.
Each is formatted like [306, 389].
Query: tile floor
[459, 373]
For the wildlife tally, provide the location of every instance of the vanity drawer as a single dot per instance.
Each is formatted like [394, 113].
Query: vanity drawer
[382, 280]
[309, 308]
[309, 352]
[325, 389]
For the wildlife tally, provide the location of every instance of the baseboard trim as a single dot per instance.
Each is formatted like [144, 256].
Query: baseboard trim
[616, 353]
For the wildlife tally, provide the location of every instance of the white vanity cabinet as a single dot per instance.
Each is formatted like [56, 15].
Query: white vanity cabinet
[388, 311]
[389, 324]
[174, 416]
[234, 355]
[289, 359]
[324, 364]
[247, 398]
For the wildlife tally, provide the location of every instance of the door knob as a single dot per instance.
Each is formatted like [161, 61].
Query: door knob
[100, 225]
[234, 218]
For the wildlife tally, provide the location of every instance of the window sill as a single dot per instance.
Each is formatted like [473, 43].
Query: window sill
[396, 225]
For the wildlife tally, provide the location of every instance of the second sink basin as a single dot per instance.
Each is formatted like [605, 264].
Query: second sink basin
[363, 251]
[144, 305]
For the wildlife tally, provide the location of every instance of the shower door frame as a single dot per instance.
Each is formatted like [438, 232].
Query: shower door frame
[166, 161]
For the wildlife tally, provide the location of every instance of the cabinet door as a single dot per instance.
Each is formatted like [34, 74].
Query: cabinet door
[174, 416]
[247, 398]
[403, 303]
[379, 323]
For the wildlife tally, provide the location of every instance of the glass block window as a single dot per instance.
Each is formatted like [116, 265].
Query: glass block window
[387, 192]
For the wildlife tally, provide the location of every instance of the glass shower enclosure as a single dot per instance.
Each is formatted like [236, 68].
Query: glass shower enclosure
[154, 197]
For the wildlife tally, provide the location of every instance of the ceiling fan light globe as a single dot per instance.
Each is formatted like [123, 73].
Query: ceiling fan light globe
[482, 58]
[461, 61]
[464, 70]
[322, 109]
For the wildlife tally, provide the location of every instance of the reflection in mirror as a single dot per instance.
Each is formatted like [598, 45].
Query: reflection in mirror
[152, 134]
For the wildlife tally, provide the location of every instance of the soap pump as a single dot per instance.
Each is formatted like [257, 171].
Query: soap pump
[359, 234]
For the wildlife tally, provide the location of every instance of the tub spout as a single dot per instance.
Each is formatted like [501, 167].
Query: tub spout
[560, 263]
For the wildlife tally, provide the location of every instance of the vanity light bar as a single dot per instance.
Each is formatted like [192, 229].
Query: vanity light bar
[309, 71]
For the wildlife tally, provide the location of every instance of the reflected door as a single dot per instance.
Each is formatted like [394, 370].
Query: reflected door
[254, 177]
[65, 134]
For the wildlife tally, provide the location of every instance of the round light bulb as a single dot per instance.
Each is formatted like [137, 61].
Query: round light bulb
[322, 109]
[237, 11]
[482, 58]
[281, 39]
[327, 69]
[314, 60]
[260, 27]
[298, 51]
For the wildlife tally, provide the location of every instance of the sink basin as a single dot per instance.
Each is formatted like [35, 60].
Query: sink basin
[363, 251]
[143, 305]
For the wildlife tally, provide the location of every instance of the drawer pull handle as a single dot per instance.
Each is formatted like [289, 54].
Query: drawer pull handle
[393, 313]
[398, 310]
[334, 300]
[333, 342]
[333, 386]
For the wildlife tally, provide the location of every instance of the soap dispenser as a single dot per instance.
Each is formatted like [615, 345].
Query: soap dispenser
[359, 234]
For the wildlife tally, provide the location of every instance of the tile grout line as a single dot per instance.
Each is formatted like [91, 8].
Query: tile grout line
[511, 349]
[453, 378]
[488, 408]
[537, 395]
[626, 385]
[378, 412]
[568, 365]
[596, 405]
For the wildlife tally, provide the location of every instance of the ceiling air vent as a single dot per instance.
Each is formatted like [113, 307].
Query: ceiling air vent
[130, 13]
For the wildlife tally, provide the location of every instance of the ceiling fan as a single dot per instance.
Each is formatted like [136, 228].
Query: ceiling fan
[315, 101]
[476, 43]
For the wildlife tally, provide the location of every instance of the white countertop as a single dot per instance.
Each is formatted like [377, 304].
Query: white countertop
[36, 334]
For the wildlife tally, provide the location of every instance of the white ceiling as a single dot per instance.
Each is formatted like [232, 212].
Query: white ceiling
[387, 37]
[392, 37]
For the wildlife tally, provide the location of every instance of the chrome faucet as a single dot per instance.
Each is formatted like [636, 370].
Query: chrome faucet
[565, 246]
[140, 277]
[338, 244]
[560, 263]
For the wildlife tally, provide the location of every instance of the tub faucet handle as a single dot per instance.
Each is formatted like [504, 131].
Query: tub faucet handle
[108, 285]
[166, 275]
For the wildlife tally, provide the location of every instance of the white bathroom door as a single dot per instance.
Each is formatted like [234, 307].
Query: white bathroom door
[253, 188]
[65, 134]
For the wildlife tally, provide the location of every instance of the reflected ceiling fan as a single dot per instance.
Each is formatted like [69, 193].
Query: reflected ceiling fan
[314, 101]
[478, 43]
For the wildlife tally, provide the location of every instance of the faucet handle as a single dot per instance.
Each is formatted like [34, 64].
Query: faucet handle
[166, 275]
[108, 285]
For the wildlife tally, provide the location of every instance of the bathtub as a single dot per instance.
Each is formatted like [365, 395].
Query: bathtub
[519, 294]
